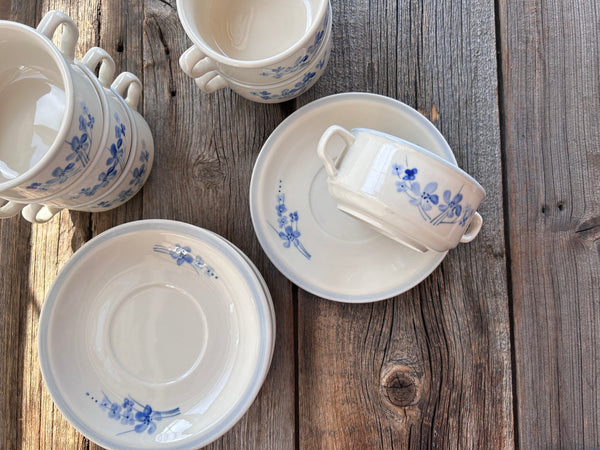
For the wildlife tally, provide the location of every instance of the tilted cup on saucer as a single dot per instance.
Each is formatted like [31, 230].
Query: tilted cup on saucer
[269, 47]
[400, 189]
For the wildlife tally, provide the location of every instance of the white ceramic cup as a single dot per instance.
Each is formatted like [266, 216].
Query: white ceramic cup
[51, 119]
[256, 43]
[400, 189]
[126, 89]
[290, 87]
[139, 165]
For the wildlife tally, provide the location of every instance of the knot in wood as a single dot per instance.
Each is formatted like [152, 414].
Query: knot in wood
[400, 388]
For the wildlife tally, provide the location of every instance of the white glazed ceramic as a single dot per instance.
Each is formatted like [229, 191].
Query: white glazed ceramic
[319, 248]
[113, 155]
[291, 87]
[401, 189]
[169, 338]
[139, 163]
[66, 120]
[254, 43]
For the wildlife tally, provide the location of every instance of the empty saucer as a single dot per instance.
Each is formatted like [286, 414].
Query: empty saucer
[156, 334]
[307, 238]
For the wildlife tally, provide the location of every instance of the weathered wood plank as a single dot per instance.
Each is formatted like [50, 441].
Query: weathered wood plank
[551, 104]
[205, 150]
[431, 367]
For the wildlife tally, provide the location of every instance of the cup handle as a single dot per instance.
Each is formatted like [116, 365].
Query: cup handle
[48, 25]
[128, 83]
[331, 164]
[95, 56]
[10, 209]
[197, 65]
[39, 213]
[473, 228]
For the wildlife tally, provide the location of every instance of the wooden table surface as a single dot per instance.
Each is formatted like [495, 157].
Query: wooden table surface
[497, 348]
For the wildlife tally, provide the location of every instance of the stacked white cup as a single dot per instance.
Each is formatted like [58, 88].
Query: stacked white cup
[68, 139]
[266, 51]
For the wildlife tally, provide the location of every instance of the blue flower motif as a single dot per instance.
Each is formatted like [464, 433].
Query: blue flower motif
[128, 417]
[79, 144]
[181, 254]
[280, 208]
[290, 236]
[116, 153]
[147, 418]
[306, 79]
[82, 124]
[131, 411]
[397, 169]
[290, 233]
[114, 411]
[452, 206]
[199, 262]
[138, 174]
[61, 175]
[410, 174]
[144, 156]
[426, 197]
[402, 186]
[119, 131]
[124, 195]
[467, 213]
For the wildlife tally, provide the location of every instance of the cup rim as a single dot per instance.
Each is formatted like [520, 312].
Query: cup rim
[426, 153]
[66, 76]
[254, 63]
[295, 77]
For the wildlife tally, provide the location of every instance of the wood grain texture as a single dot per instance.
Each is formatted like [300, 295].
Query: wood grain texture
[513, 86]
[551, 104]
[206, 146]
[430, 368]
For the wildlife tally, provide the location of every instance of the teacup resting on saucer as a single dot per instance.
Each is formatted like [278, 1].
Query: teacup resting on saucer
[400, 189]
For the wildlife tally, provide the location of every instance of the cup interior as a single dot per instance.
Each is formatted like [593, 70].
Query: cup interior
[34, 99]
[251, 30]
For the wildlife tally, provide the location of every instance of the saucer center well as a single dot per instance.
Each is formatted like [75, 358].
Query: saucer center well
[332, 221]
[158, 334]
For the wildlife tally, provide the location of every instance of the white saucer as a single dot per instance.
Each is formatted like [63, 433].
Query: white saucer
[317, 247]
[156, 334]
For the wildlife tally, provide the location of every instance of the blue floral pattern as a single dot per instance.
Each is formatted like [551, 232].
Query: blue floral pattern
[302, 61]
[114, 163]
[450, 208]
[138, 175]
[183, 255]
[79, 157]
[131, 413]
[299, 88]
[287, 224]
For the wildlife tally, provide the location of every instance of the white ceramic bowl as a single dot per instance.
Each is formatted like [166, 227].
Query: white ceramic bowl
[290, 87]
[156, 334]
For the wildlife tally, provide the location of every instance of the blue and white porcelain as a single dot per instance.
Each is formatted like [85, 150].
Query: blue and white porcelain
[156, 335]
[349, 261]
[139, 165]
[114, 150]
[65, 154]
[401, 189]
[133, 171]
[269, 43]
[292, 87]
